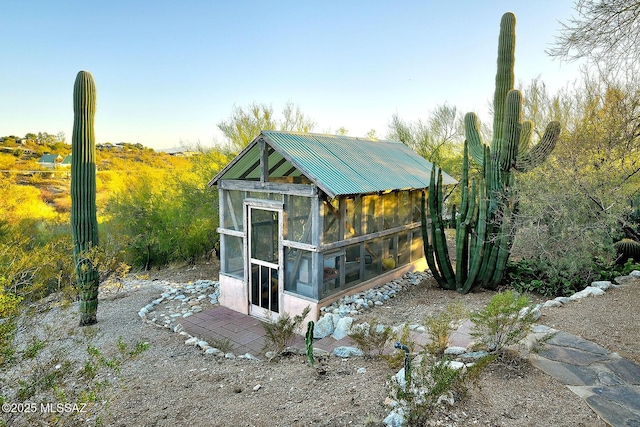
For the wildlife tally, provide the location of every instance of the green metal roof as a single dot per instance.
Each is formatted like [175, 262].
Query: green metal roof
[338, 165]
[48, 158]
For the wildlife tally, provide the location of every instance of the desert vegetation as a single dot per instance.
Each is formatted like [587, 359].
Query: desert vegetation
[573, 219]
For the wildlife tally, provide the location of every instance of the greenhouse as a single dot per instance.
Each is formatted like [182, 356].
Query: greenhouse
[307, 218]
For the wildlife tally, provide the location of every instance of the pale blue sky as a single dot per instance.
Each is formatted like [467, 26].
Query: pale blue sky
[169, 71]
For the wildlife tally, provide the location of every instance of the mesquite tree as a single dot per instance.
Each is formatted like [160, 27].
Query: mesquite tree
[485, 224]
[84, 223]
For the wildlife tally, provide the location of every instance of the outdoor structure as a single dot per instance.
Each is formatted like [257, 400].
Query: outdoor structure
[50, 161]
[66, 162]
[307, 218]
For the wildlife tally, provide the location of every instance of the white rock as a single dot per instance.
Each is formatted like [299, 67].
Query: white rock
[361, 370]
[342, 328]
[635, 273]
[453, 364]
[552, 303]
[192, 341]
[455, 350]
[229, 356]
[213, 351]
[257, 387]
[588, 291]
[602, 284]
[323, 327]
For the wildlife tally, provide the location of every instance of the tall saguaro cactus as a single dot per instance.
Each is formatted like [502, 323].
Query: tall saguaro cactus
[485, 226]
[84, 223]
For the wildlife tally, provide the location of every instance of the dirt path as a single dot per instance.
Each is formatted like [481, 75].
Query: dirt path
[171, 384]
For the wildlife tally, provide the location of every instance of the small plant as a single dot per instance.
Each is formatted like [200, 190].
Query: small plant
[504, 321]
[45, 376]
[224, 345]
[139, 348]
[396, 358]
[33, 348]
[440, 326]
[435, 380]
[371, 337]
[281, 333]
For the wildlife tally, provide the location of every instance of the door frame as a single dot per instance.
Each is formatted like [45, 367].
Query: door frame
[266, 205]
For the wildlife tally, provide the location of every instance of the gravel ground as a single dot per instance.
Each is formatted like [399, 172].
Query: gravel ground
[166, 383]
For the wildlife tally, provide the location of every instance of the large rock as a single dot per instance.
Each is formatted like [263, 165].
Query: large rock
[323, 327]
[343, 328]
[346, 351]
[588, 291]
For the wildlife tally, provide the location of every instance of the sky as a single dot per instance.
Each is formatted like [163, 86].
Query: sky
[167, 72]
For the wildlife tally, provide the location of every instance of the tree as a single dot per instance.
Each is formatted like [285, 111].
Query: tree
[245, 124]
[605, 31]
[589, 182]
[438, 139]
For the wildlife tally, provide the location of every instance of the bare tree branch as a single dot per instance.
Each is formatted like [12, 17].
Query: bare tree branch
[604, 31]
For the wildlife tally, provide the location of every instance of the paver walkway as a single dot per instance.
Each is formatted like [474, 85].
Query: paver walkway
[608, 383]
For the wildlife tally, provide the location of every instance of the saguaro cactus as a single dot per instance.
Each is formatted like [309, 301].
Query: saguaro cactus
[485, 225]
[84, 223]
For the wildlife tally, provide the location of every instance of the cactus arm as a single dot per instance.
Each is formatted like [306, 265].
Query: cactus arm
[440, 239]
[538, 153]
[84, 224]
[526, 133]
[472, 133]
[426, 243]
[511, 130]
[504, 75]
[479, 246]
[462, 221]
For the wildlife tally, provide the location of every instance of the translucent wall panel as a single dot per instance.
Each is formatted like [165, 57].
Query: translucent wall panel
[416, 208]
[353, 265]
[354, 217]
[404, 208]
[404, 250]
[373, 258]
[371, 220]
[299, 219]
[331, 273]
[232, 262]
[390, 201]
[417, 249]
[299, 272]
[330, 213]
[232, 204]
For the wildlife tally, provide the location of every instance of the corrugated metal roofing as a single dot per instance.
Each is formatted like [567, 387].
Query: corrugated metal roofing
[338, 165]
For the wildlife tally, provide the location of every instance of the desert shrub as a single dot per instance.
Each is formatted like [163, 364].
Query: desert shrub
[279, 334]
[441, 325]
[505, 320]
[395, 359]
[9, 308]
[164, 216]
[371, 337]
[435, 381]
[551, 279]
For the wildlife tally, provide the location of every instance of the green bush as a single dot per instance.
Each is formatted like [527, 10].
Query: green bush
[279, 334]
[550, 279]
[371, 338]
[504, 321]
[164, 217]
[440, 326]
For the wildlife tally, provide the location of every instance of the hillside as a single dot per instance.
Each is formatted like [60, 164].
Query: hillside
[49, 184]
